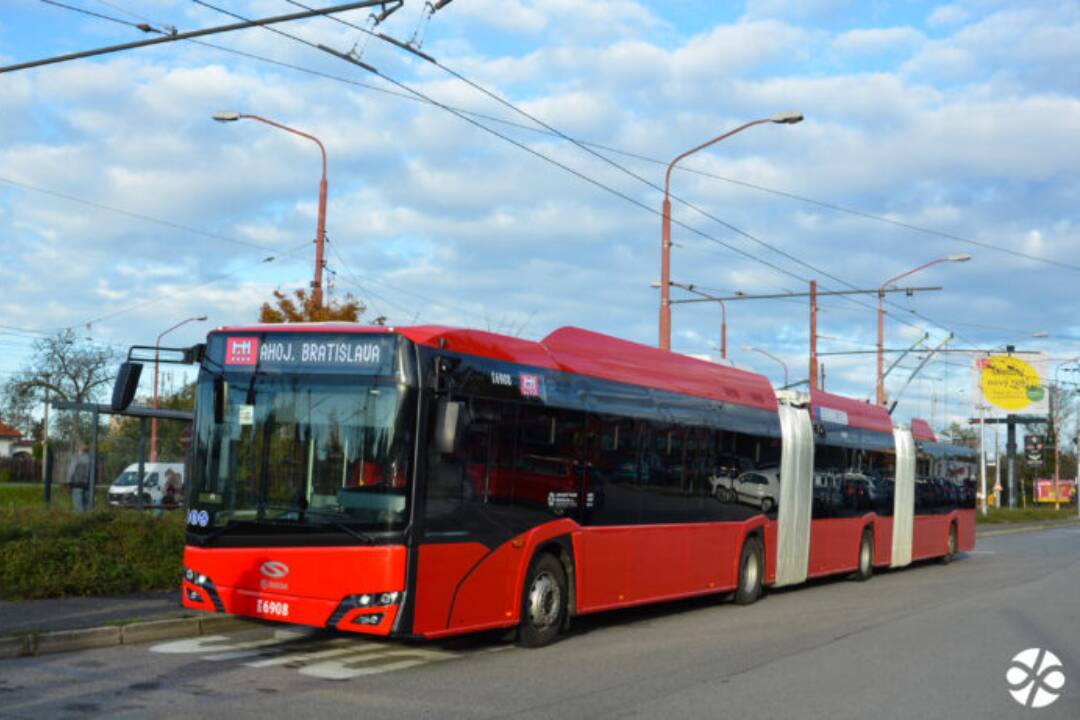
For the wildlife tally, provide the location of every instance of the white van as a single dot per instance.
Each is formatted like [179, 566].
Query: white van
[156, 476]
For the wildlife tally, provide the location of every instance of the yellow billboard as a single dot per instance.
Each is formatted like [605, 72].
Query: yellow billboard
[1011, 384]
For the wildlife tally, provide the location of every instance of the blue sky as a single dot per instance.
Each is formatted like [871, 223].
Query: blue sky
[960, 118]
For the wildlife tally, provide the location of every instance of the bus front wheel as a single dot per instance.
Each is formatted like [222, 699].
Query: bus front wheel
[751, 571]
[543, 602]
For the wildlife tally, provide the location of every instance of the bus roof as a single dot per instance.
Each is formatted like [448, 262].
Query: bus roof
[851, 412]
[577, 351]
[921, 430]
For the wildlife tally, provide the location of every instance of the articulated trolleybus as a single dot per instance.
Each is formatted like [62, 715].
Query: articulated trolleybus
[428, 481]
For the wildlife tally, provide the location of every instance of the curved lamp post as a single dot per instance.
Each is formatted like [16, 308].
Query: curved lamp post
[784, 118]
[320, 226]
[766, 353]
[880, 393]
[157, 348]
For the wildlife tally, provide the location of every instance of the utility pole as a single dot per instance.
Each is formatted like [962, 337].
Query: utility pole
[45, 435]
[813, 335]
[1010, 447]
[982, 456]
[1055, 399]
[997, 468]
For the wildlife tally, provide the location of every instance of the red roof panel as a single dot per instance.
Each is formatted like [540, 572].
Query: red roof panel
[6, 431]
[602, 356]
[581, 352]
[848, 411]
[921, 430]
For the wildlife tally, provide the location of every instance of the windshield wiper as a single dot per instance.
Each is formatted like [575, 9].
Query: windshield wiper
[358, 534]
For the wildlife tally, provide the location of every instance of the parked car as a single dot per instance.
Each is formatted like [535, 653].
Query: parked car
[162, 484]
[759, 488]
[728, 467]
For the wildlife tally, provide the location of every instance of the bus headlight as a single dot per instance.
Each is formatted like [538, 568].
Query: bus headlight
[194, 578]
[367, 600]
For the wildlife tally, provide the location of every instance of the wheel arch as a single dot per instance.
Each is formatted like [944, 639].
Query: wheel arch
[755, 528]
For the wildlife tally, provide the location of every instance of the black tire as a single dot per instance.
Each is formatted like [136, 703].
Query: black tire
[950, 547]
[865, 570]
[751, 572]
[543, 602]
[767, 505]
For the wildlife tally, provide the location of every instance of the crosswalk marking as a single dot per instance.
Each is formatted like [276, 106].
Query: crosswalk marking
[303, 658]
[327, 658]
[347, 669]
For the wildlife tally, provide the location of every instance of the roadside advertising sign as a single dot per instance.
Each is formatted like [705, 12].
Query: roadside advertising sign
[1011, 385]
[1044, 491]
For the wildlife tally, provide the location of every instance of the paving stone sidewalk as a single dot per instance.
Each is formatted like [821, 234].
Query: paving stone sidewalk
[80, 612]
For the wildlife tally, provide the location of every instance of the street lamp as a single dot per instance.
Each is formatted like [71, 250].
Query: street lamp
[320, 227]
[766, 353]
[157, 349]
[880, 395]
[784, 118]
[723, 310]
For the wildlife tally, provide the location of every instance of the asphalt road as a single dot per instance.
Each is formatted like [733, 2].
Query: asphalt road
[931, 641]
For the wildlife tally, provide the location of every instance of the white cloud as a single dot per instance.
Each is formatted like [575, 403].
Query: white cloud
[437, 219]
[866, 42]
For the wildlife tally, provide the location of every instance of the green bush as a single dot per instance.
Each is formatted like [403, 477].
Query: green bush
[57, 553]
[5, 475]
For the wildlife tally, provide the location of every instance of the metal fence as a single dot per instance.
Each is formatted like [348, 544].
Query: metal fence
[113, 461]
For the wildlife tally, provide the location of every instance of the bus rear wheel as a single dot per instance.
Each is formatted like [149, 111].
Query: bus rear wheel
[751, 571]
[950, 547]
[866, 557]
[543, 602]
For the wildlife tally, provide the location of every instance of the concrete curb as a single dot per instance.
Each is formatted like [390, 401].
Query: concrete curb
[1027, 528]
[85, 639]
[59, 641]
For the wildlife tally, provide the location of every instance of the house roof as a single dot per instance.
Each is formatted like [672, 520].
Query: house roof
[578, 351]
[6, 431]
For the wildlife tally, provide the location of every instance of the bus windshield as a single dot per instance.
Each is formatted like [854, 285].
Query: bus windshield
[305, 450]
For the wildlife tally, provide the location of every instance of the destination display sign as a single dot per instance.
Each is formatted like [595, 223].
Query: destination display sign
[306, 352]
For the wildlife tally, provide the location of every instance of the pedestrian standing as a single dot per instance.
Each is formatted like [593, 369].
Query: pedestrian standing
[79, 479]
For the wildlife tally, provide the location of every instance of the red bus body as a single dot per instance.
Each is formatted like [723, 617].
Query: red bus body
[444, 588]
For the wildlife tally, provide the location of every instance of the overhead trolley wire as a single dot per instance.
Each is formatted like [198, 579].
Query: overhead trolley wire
[462, 115]
[522, 146]
[138, 26]
[639, 156]
[566, 137]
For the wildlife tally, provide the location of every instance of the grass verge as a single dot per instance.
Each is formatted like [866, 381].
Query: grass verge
[998, 516]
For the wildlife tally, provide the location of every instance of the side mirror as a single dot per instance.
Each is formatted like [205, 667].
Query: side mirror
[127, 382]
[449, 417]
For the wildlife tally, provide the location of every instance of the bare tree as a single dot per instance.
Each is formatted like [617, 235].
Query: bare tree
[67, 367]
